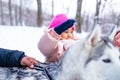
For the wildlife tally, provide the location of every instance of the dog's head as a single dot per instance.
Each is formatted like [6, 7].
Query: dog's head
[102, 45]
[90, 57]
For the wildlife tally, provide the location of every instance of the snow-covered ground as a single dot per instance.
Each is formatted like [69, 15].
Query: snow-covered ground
[22, 38]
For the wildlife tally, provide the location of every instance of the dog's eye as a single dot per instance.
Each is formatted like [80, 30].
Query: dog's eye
[106, 60]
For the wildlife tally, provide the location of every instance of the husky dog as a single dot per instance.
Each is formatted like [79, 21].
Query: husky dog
[94, 58]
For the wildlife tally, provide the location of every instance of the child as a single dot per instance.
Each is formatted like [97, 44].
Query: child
[57, 38]
[117, 39]
[15, 58]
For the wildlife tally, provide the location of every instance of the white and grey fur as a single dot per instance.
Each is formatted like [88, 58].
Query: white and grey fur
[94, 58]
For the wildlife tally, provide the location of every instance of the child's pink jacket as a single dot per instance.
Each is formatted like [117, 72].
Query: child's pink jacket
[52, 47]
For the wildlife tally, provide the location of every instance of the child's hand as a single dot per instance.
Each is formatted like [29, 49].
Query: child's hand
[28, 62]
[64, 26]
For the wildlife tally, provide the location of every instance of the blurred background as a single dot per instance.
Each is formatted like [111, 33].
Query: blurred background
[38, 13]
[22, 22]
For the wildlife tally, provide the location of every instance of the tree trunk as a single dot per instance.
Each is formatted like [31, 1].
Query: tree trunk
[78, 16]
[97, 13]
[16, 15]
[10, 12]
[1, 12]
[39, 13]
[20, 13]
[52, 8]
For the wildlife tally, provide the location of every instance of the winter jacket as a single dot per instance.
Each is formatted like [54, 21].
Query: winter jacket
[52, 47]
[10, 58]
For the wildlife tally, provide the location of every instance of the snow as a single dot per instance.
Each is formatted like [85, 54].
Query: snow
[23, 39]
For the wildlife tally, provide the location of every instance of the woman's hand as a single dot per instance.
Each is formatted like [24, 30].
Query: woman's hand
[28, 62]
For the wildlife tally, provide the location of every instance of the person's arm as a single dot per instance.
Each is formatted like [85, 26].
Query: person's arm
[10, 58]
[48, 42]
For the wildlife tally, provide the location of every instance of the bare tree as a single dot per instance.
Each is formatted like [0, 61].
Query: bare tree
[20, 13]
[16, 15]
[87, 21]
[78, 15]
[39, 13]
[1, 12]
[98, 3]
[52, 8]
[10, 12]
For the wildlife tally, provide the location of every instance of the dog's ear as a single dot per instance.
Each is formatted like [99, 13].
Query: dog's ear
[95, 35]
[113, 32]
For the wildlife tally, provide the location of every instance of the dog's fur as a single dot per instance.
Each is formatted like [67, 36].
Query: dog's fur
[94, 58]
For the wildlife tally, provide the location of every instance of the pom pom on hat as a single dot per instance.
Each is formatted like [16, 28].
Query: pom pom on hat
[57, 20]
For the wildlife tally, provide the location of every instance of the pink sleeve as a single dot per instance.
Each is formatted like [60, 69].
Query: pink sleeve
[48, 42]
